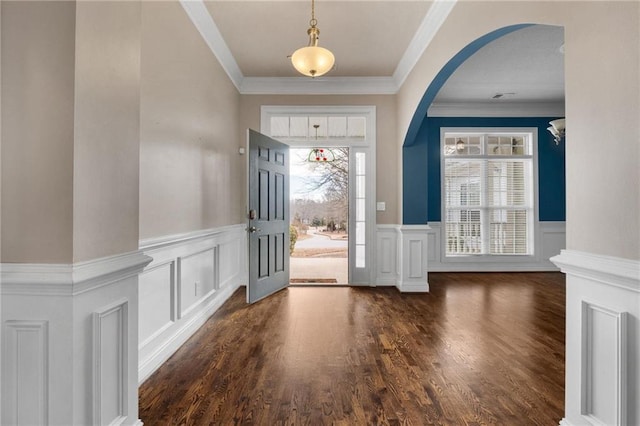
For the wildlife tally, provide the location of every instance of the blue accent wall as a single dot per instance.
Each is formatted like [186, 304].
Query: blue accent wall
[444, 74]
[421, 173]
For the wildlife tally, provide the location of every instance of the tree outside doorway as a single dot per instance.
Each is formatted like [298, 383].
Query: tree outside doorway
[320, 215]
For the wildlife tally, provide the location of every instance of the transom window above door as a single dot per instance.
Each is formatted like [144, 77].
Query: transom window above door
[302, 127]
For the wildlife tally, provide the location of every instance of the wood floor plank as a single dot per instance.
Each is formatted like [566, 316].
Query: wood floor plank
[480, 349]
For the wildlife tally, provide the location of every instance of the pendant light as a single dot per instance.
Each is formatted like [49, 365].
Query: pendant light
[313, 60]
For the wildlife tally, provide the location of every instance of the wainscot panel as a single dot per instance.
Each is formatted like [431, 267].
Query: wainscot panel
[25, 385]
[402, 257]
[190, 277]
[603, 339]
[71, 336]
[549, 241]
[387, 244]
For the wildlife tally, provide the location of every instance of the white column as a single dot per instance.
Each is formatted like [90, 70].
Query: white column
[602, 384]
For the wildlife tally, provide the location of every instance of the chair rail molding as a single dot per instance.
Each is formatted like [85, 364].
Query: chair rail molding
[602, 383]
[57, 314]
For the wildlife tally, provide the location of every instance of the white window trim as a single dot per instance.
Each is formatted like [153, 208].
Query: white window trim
[357, 276]
[489, 258]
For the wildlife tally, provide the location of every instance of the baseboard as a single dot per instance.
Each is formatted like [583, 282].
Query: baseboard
[491, 267]
[411, 287]
[179, 336]
[549, 241]
[386, 282]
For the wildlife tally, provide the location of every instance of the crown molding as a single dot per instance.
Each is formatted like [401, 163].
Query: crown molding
[199, 15]
[497, 109]
[435, 17]
[318, 86]
[433, 20]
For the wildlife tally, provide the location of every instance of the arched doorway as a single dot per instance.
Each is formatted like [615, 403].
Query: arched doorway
[479, 85]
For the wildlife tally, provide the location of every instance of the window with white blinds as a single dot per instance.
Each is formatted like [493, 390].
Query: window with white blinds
[488, 193]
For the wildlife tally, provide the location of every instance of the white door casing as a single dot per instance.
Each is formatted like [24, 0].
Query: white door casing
[363, 149]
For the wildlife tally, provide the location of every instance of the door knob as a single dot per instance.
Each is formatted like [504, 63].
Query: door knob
[253, 229]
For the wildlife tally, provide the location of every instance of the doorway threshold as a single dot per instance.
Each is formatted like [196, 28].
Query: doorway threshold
[316, 282]
[313, 281]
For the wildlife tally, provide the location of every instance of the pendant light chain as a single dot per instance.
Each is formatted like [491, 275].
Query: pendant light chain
[313, 22]
[313, 60]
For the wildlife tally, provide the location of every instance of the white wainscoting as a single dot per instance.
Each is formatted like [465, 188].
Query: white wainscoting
[190, 277]
[405, 250]
[70, 342]
[402, 261]
[550, 239]
[110, 375]
[388, 255]
[413, 247]
[602, 385]
[25, 387]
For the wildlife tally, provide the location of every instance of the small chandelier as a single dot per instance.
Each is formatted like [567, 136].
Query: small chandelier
[313, 60]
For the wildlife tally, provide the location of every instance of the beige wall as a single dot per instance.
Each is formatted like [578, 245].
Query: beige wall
[107, 98]
[37, 135]
[80, 117]
[388, 173]
[191, 175]
[603, 143]
[66, 200]
[602, 45]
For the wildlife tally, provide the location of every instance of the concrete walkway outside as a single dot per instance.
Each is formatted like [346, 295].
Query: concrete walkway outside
[320, 267]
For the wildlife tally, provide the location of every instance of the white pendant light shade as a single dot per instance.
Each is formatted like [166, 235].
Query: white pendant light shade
[557, 129]
[313, 61]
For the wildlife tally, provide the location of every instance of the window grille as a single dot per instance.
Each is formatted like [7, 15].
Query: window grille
[488, 194]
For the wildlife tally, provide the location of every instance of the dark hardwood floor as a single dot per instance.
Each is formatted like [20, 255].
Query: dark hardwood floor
[479, 349]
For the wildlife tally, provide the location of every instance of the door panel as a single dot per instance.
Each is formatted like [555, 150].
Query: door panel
[269, 230]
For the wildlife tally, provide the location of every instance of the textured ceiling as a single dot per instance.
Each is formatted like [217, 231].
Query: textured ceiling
[525, 65]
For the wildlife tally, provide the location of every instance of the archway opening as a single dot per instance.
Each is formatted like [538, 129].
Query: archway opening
[505, 84]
